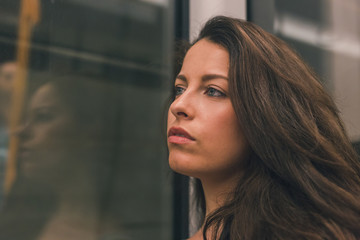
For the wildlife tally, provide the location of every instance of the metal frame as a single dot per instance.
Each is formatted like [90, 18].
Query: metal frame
[180, 182]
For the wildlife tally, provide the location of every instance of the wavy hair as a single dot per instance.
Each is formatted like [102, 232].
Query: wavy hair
[302, 180]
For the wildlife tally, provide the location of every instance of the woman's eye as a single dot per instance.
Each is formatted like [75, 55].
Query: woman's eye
[212, 92]
[179, 90]
[43, 117]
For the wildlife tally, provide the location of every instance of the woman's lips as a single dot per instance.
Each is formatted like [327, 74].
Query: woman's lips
[178, 135]
[178, 140]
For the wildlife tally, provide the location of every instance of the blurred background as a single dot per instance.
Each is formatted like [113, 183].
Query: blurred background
[326, 33]
[83, 95]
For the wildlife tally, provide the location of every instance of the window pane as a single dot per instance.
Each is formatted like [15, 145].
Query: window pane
[83, 93]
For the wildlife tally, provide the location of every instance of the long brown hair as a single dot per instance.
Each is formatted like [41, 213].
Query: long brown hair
[302, 180]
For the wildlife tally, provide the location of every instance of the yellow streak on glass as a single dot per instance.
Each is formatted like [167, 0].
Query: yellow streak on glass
[29, 16]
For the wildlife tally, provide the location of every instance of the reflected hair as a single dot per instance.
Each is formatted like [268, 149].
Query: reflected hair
[302, 179]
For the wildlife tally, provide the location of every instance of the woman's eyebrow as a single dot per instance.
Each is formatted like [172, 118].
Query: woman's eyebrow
[208, 77]
[204, 78]
[181, 77]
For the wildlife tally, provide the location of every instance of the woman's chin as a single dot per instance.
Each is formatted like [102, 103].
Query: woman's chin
[184, 169]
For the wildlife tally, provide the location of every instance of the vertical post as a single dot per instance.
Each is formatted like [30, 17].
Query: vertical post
[29, 16]
[180, 182]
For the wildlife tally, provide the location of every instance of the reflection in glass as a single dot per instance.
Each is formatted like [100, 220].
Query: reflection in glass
[7, 77]
[60, 179]
[91, 162]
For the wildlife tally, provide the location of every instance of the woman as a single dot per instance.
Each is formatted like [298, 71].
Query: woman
[63, 164]
[253, 125]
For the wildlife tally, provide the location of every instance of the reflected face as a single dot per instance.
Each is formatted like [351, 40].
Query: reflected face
[204, 136]
[7, 76]
[47, 139]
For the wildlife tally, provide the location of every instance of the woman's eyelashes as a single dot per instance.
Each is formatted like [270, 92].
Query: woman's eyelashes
[209, 91]
[213, 92]
[178, 90]
[42, 116]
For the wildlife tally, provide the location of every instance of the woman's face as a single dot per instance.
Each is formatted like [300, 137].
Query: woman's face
[204, 136]
[48, 137]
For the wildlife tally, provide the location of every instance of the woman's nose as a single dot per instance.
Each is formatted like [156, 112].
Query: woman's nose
[183, 107]
[22, 131]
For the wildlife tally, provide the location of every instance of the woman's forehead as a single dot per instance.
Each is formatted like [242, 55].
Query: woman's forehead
[206, 57]
[45, 95]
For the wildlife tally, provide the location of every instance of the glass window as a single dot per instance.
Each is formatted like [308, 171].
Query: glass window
[83, 85]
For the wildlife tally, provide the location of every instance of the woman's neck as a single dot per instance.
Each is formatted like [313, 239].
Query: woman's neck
[76, 215]
[216, 192]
